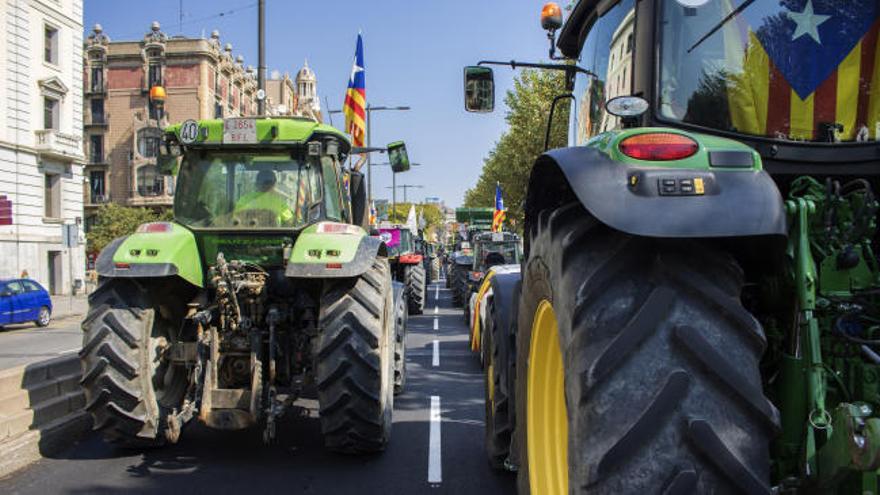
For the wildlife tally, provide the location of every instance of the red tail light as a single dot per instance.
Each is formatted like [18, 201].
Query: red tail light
[658, 146]
[155, 228]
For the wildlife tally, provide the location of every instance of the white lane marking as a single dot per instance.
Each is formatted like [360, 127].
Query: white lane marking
[435, 361]
[70, 351]
[436, 309]
[436, 292]
[435, 468]
[436, 324]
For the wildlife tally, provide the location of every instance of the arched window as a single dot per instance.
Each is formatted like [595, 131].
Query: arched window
[149, 182]
[148, 140]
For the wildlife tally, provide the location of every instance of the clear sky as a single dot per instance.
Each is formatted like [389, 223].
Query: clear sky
[414, 52]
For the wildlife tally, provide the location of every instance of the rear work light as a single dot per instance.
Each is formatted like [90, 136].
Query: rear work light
[658, 146]
[155, 228]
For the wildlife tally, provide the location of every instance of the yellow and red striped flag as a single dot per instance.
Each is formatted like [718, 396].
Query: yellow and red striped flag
[500, 212]
[356, 98]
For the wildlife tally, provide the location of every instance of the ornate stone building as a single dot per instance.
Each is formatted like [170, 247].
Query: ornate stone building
[202, 79]
[41, 156]
[297, 97]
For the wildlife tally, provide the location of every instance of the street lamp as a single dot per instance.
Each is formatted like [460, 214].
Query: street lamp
[405, 187]
[370, 109]
[394, 183]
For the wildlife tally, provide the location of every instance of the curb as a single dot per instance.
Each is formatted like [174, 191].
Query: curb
[53, 412]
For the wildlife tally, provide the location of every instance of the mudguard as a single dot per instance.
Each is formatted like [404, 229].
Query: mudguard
[153, 254]
[627, 196]
[497, 284]
[313, 255]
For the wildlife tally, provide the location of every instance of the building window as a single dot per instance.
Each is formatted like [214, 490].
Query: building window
[97, 187]
[217, 84]
[97, 110]
[218, 110]
[50, 45]
[52, 195]
[148, 142]
[96, 148]
[149, 182]
[154, 76]
[97, 79]
[50, 113]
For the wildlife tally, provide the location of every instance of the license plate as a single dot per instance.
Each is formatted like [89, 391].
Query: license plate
[240, 131]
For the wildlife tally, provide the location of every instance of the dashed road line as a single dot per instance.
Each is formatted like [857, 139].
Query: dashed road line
[435, 467]
[436, 309]
[435, 361]
[436, 324]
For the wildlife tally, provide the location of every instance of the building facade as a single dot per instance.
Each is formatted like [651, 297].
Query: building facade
[41, 154]
[122, 133]
[202, 79]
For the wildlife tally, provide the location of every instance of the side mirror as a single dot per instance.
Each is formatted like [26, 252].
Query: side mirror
[398, 157]
[167, 164]
[169, 158]
[479, 89]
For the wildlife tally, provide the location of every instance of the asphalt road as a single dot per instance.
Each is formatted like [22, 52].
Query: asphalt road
[424, 457]
[27, 343]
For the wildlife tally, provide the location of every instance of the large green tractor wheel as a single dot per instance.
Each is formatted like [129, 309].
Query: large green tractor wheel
[637, 366]
[414, 278]
[355, 361]
[129, 389]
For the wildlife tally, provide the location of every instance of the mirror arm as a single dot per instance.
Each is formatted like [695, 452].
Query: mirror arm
[550, 117]
[513, 64]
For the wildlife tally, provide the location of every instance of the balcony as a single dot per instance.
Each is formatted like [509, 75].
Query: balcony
[97, 120]
[55, 144]
[96, 89]
[98, 199]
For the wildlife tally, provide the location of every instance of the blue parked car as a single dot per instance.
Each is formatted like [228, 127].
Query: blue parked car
[23, 300]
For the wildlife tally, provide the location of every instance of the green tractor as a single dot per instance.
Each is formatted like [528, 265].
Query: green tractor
[406, 264]
[490, 249]
[264, 288]
[699, 301]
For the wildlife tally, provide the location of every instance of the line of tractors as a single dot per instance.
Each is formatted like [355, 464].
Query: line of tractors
[694, 305]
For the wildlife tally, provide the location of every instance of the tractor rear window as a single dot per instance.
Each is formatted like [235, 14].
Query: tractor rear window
[797, 71]
[244, 191]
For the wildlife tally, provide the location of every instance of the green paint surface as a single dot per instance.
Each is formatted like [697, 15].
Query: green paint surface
[288, 130]
[177, 247]
[609, 142]
[314, 247]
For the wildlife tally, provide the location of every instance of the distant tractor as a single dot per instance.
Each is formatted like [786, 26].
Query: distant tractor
[406, 264]
[263, 288]
[699, 300]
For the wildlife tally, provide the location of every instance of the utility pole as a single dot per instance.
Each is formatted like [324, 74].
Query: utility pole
[405, 187]
[394, 182]
[369, 110]
[261, 56]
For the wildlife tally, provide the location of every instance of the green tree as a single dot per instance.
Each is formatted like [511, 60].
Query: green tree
[510, 161]
[115, 221]
[432, 214]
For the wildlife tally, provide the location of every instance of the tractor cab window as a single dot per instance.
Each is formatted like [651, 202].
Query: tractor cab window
[607, 52]
[795, 71]
[247, 191]
[333, 199]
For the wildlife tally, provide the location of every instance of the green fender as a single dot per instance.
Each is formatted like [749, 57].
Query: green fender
[318, 254]
[153, 254]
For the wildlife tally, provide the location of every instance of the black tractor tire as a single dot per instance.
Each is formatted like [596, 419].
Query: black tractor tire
[660, 361]
[499, 354]
[129, 391]
[355, 361]
[401, 315]
[414, 278]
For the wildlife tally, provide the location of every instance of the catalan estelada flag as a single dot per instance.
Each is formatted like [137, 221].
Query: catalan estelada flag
[500, 212]
[803, 65]
[356, 98]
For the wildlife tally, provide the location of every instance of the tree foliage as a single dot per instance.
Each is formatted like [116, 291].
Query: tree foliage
[432, 214]
[510, 160]
[115, 221]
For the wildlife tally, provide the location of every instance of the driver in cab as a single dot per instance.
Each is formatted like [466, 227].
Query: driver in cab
[267, 198]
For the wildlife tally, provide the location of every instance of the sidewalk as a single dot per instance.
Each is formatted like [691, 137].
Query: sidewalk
[69, 306]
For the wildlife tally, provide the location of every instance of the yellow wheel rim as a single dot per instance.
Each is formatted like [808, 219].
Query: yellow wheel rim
[546, 415]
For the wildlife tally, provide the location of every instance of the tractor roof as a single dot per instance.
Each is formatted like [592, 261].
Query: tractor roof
[269, 131]
[572, 34]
